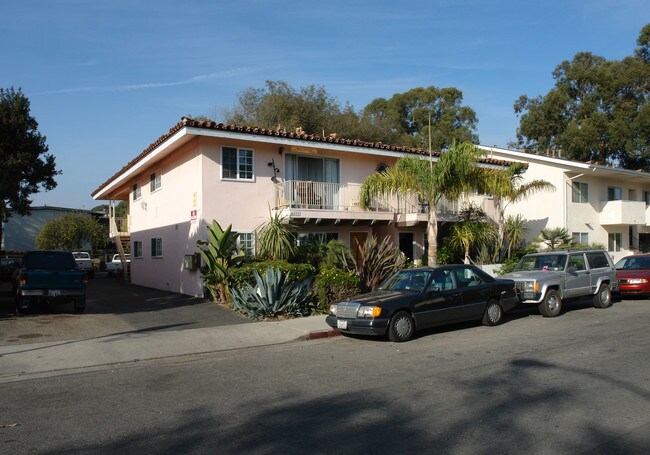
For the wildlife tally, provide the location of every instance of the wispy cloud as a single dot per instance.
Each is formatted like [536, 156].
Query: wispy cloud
[153, 85]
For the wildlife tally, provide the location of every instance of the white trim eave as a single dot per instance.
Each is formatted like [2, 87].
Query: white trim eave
[291, 141]
[559, 162]
[178, 138]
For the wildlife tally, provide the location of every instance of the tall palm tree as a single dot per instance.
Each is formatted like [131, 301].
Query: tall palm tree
[506, 188]
[455, 172]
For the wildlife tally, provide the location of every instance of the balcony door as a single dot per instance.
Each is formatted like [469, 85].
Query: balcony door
[324, 172]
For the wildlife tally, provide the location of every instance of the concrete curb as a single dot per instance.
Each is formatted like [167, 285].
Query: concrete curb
[317, 334]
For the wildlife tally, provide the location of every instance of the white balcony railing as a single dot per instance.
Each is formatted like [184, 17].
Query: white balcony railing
[345, 196]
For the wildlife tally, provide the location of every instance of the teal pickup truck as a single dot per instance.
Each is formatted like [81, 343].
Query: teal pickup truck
[48, 277]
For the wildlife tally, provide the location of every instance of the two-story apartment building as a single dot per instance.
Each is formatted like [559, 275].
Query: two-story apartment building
[595, 203]
[200, 171]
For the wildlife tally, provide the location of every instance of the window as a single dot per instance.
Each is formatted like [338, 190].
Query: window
[155, 181]
[646, 197]
[246, 243]
[580, 237]
[614, 193]
[137, 248]
[236, 164]
[136, 192]
[156, 247]
[614, 241]
[580, 193]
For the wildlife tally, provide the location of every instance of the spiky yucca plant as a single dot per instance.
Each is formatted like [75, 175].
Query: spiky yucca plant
[273, 296]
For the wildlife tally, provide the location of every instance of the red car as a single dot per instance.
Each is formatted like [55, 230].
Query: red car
[633, 273]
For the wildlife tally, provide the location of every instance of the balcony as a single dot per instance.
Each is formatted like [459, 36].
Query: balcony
[626, 213]
[309, 202]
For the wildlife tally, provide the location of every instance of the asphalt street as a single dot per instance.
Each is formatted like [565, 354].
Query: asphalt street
[112, 306]
[578, 383]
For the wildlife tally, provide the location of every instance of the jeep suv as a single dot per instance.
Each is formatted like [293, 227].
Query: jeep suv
[549, 277]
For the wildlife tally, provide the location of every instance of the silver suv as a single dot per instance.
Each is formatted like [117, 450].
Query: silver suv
[549, 277]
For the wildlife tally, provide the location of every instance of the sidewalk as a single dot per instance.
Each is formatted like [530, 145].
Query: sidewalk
[37, 358]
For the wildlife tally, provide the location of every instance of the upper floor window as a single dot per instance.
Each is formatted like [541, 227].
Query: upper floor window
[646, 197]
[580, 193]
[236, 163]
[136, 191]
[155, 181]
[614, 193]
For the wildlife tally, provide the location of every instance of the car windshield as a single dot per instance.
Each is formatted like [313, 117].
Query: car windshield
[407, 280]
[81, 255]
[542, 262]
[632, 262]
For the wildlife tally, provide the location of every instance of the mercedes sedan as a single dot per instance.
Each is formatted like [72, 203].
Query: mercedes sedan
[414, 299]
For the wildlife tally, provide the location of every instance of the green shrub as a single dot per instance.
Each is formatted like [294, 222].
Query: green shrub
[273, 295]
[245, 274]
[333, 285]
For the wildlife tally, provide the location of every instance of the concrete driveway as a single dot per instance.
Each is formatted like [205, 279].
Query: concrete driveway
[112, 307]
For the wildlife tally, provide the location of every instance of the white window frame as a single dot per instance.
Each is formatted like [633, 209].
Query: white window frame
[154, 248]
[136, 191]
[137, 250]
[155, 184]
[246, 246]
[242, 167]
[615, 192]
[580, 193]
[578, 237]
[614, 240]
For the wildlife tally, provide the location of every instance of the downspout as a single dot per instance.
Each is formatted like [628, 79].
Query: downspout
[565, 204]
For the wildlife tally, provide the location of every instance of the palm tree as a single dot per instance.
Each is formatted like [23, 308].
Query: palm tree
[473, 228]
[555, 238]
[506, 188]
[455, 172]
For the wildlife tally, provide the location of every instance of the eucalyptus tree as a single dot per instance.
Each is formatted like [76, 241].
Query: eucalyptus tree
[455, 172]
[598, 110]
[507, 187]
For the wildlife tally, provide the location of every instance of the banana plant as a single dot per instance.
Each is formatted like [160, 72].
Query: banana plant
[219, 254]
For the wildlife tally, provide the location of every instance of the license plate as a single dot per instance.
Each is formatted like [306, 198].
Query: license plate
[341, 324]
[54, 292]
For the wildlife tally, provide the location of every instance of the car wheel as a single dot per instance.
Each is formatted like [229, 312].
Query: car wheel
[603, 298]
[401, 327]
[493, 313]
[552, 304]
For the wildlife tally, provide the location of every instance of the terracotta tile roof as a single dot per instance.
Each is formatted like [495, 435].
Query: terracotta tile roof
[241, 129]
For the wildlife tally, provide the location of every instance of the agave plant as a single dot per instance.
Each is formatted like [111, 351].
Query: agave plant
[273, 295]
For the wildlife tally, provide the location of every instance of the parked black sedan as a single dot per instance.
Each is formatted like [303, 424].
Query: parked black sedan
[414, 299]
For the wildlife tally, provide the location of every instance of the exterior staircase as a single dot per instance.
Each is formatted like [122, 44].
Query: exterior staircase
[121, 237]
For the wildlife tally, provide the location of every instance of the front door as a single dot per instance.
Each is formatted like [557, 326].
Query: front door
[406, 240]
[357, 239]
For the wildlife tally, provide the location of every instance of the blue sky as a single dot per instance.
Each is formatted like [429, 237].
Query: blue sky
[107, 77]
